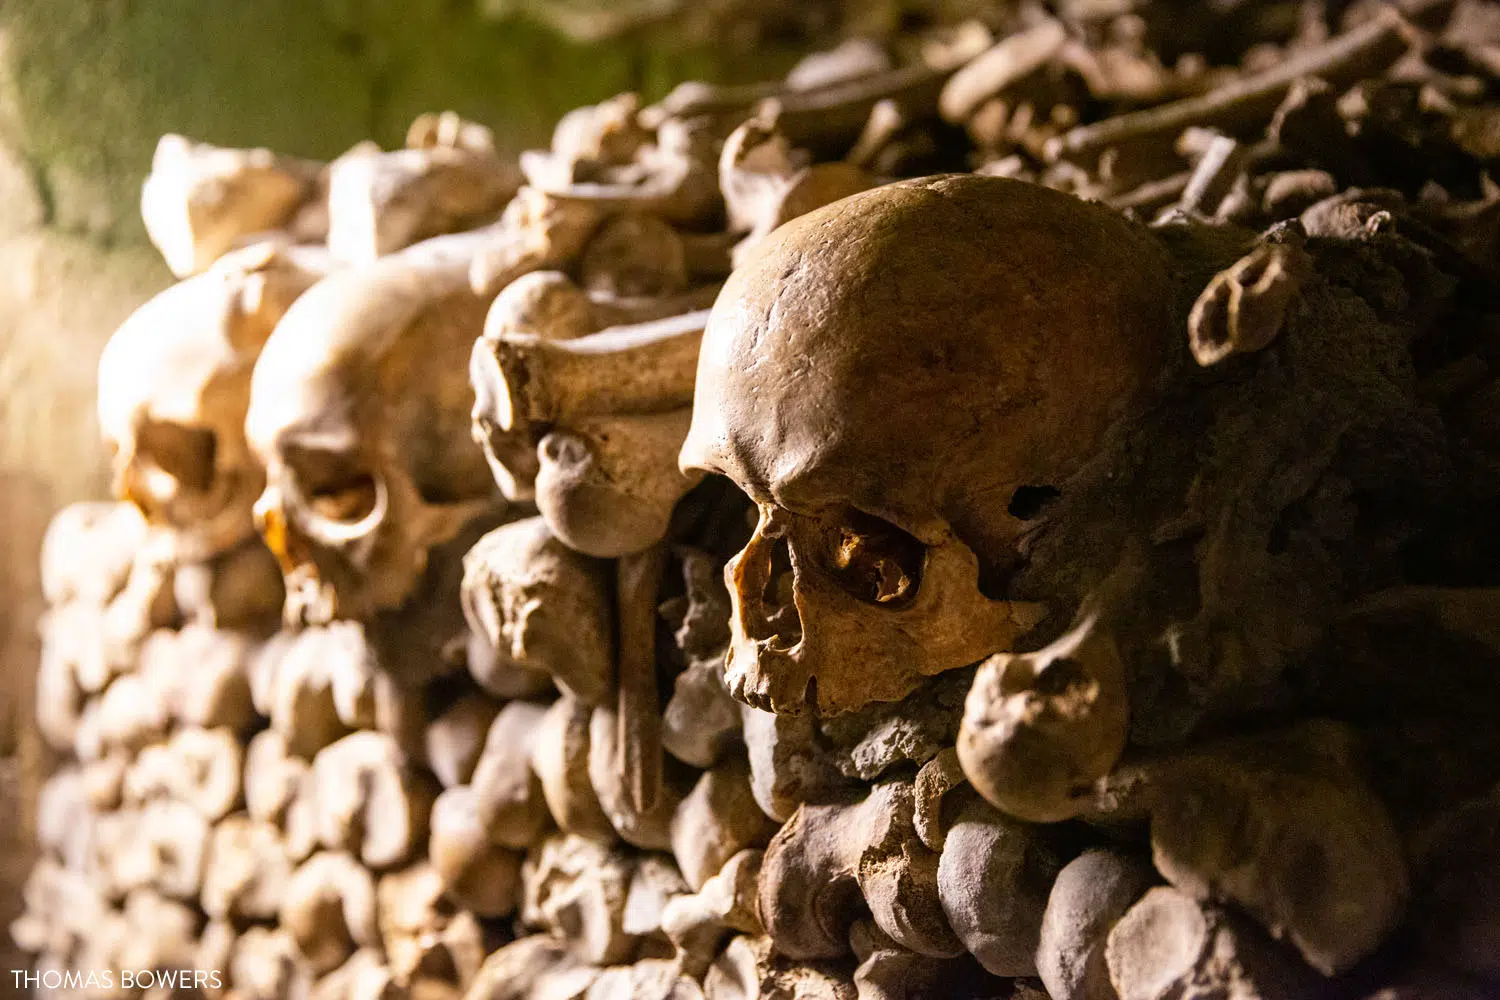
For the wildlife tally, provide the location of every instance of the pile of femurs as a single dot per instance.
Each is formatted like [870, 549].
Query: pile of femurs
[693, 562]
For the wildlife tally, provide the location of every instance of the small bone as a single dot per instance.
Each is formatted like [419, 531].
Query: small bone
[380, 202]
[993, 878]
[507, 792]
[638, 739]
[701, 721]
[936, 779]
[170, 848]
[63, 817]
[888, 971]
[751, 968]
[329, 910]
[536, 232]
[216, 691]
[644, 368]
[364, 976]
[827, 861]
[370, 801]
[576, 888]
[88, 551]
[1358, 53]
[198, 766]
[483, 876]
[423, 936]
[456, 738]
[531, 967]
[1231, 819]
[697, 924]
[1040, 728]
[543, 607]
[1092, 892]
[273, 777]
[611, 778]
[717, 821]
[655, 881]
[560, 759]
[247, 871]
[1009, 61]
[1167, 943]
[545, 303]
[634, 255]
[607, 486]
[200, 200]
[1245, 307]
[267, 966]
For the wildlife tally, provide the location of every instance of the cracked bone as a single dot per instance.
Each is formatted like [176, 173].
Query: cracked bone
[725, 903]
[1170, 945]
[751, 968]
[577, 888]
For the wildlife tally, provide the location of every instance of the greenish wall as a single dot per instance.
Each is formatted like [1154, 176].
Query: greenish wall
[90, 84]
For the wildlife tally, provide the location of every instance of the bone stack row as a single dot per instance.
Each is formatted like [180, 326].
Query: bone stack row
[398, 671]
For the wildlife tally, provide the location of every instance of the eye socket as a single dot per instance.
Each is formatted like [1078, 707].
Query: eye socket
[185, 453]
[874, 560]
[335, 487]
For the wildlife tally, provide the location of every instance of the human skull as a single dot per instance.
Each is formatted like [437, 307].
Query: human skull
[360, 410]
[898, 380]
[174, 382]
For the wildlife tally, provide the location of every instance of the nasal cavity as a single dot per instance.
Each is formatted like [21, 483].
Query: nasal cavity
[1028, 502]
[779, 596]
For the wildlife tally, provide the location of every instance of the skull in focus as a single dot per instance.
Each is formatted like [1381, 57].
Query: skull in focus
[901, 381]
[359, 409]
[174, 383]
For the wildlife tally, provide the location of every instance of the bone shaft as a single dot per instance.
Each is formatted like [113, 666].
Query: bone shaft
[639, 748]
[1354, 55]
[643, 368]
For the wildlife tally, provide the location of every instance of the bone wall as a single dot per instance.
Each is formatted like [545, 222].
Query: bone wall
[1072, 575]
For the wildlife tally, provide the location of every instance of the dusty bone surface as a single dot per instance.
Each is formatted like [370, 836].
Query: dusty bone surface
[1131, 627]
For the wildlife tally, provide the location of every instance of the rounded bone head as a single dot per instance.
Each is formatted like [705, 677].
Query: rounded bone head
[174, 383]
[360, 410]
[898, 380]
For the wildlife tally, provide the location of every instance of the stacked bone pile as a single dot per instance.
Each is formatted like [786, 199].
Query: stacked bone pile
[1109, 608]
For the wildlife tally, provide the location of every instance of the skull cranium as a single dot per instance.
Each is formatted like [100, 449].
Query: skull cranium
[360, 409]
[900, 380]
[174, 383]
